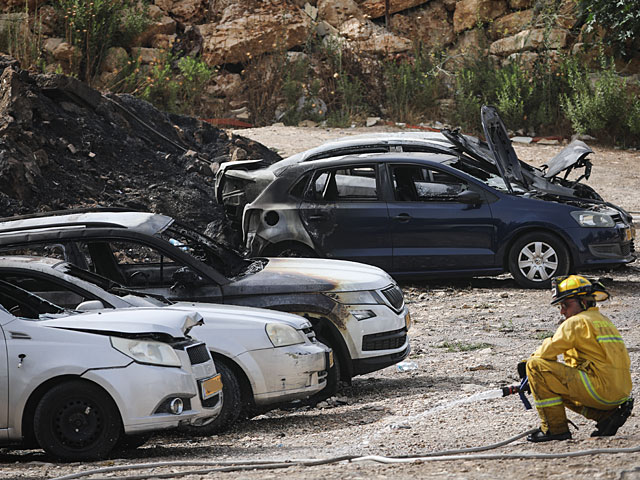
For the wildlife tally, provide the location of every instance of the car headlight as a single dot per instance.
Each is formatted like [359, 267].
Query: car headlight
[363, 297]
[593, 219]
[282, 335]
[147, 351]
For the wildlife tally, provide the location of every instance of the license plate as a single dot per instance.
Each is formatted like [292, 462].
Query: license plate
[628, 234]
[211, 386]
[407, 320]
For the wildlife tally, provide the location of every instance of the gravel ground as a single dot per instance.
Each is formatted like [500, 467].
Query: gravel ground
[467, 338]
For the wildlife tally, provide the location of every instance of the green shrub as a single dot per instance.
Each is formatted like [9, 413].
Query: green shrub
[20, 41]
[411, 87]
[93, 27]
[601, 108]
[513, 95]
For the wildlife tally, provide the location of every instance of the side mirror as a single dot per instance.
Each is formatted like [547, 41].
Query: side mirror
[90, 305]
[469, 197]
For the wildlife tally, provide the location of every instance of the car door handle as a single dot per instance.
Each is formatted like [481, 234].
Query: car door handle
[403, 217]
[317, 218]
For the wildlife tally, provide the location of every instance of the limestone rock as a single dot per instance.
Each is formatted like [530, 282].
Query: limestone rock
[510, 24]
[368, 37]
[163, 25]
[265, 28]
[469, 13]
[115, 58]
[375, 8]
[146, 55]
[225, 85]
[568, 14]
[336, 12]
[185, 11]
[429, 26]
[48, 17]
[533, 39]
[470, 43]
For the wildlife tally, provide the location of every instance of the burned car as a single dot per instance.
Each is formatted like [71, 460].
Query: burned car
[266, 358]
[467, 211]
[241, 182]
[79, 385]
[357, 310]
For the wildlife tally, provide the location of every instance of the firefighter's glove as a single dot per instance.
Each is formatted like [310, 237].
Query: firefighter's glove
[522, 370]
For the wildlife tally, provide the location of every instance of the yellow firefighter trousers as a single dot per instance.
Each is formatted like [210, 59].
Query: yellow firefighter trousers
[555, 386]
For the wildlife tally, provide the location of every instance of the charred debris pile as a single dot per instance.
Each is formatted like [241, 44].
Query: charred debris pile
[65, 145]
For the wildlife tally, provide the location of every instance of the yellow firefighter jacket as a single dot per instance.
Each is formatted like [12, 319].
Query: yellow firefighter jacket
[591, 343]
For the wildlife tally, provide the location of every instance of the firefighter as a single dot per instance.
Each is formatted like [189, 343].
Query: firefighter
[594, 380]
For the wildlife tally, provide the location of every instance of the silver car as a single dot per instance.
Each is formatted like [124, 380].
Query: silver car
[266, 358]
[78, 385]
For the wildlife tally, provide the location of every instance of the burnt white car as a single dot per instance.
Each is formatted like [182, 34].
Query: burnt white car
[78, 385]
[266, 358]
[357, 310]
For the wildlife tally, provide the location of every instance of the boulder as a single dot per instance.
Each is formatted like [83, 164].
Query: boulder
[48, 17]
[471, 43]
[375, 8]
[429, 25]
[185, 11]
[114, 59]
[469, 13]
[533, 39]
[335, 13]
[162, 25]
[366, 36]
[510, 24]
[567, 14]
[266, 28]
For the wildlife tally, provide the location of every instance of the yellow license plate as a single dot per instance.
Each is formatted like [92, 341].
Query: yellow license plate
[628, 234]
[407, 320]
[330, 359]
[211, 386]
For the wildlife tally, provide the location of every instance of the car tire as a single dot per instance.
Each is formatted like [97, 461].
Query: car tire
[333, 378]
[231, 403]
[77, 421]
[537, 257]
[296, 250]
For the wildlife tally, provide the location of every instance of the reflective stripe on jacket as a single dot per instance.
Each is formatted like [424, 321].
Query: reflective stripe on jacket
[591, 343]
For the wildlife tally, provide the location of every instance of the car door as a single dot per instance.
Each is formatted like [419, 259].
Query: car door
[4, 377]
[439, 222]
[345, 215]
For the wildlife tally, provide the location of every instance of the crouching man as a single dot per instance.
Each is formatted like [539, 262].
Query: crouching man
[594, 380]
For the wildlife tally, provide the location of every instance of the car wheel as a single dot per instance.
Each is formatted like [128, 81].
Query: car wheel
[231, 403]
[77, 421]
[296, 250]
[537, 257]
[333, 378]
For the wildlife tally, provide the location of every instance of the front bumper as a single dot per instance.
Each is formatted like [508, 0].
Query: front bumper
[142, 393]
[379, 341]
[601, 247]
[283, 374]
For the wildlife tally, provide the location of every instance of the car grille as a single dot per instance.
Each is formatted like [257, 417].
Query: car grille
[198, 354]
[311, 335]
[384, 340]
[394, 296]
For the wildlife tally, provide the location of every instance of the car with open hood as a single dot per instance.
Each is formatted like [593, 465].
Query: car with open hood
[357, 310]
[79, 385]
[241, 182]
[471, 210]
[266, 358]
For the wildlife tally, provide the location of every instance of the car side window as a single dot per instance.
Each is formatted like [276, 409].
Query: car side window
[355, 183]
[131, 263]
[54, 292]
[412, 183]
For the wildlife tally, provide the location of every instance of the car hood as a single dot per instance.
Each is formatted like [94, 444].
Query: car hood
[245, 316]
[291, 275]
[134, 321]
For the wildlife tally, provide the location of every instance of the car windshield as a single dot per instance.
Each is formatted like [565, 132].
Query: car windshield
[24, 304]
[482, 174]
[226, 260]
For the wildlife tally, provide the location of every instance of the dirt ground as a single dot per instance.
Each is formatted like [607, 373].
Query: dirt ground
[466, 339]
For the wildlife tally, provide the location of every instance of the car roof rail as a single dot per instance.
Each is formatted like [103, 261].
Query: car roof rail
[71, 211]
